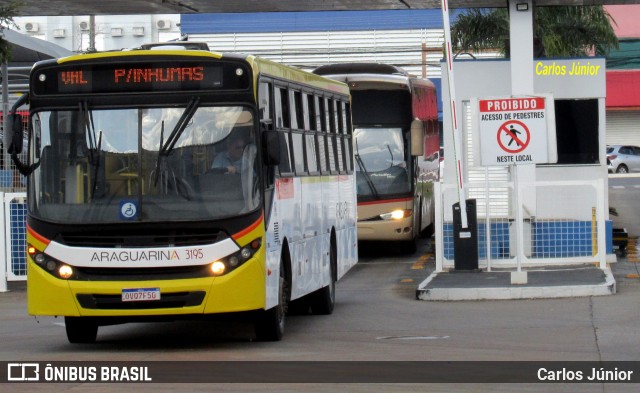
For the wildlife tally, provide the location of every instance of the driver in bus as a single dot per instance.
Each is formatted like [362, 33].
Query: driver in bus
[231, 159]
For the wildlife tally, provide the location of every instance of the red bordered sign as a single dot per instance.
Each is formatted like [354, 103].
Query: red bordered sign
[514, 136]
[514, 130]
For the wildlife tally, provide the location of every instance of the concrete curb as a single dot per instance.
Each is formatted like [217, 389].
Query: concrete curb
[425, 292]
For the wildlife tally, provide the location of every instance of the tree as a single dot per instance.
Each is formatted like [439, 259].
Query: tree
[558, 31]
[6, 20]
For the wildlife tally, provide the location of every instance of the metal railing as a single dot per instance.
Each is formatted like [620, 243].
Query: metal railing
[567, 226]
[14, 235]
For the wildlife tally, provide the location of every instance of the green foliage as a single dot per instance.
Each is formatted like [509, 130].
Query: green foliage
[479, 29]
[6, 20]
[573, 31]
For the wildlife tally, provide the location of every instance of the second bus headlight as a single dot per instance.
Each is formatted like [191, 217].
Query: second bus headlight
[396, 214]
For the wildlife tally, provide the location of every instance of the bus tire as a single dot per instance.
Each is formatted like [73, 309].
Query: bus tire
[323, 300]
[269, 325]
[80, 330]
[299, 306]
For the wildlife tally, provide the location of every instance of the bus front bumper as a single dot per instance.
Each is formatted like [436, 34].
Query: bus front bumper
[387, 230]
[243, 289]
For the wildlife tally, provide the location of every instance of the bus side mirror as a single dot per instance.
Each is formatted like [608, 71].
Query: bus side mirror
[271, 147]
[417, 138]
[13, 138]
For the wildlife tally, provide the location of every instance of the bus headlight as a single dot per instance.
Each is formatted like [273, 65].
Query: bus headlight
[226, 265]
[50, 265]
[396, 214]
[65, 271]
[246, 253]
[218, 268]
[40, 258]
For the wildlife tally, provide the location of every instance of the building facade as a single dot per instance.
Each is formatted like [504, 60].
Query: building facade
[623, 78]
[110, 32]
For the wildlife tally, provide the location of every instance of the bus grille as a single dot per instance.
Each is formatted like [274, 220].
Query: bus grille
[114, 302]
[140, 274]
[146, 239]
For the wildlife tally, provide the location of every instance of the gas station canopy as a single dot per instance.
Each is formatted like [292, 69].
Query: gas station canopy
[130, 7]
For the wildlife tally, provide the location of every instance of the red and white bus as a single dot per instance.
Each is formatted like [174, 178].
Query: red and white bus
[396, 139]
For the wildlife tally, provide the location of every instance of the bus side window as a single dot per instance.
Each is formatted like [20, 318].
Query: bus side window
[331, 136]
[322, 137]
[310, 148]
[282, 125]
[346, 119]
[264, 104]
[340, 129]
[297, 123]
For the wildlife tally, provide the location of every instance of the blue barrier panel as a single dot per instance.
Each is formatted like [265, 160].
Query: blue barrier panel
[18, 237]
[499, 240]
[6, 178]
[561, 239]
[550, 239]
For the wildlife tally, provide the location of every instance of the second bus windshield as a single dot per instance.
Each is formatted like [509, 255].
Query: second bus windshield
[381, 162]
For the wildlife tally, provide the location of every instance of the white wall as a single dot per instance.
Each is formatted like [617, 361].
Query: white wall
[72, 32]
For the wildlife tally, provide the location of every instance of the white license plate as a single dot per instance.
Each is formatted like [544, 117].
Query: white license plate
[140, 294]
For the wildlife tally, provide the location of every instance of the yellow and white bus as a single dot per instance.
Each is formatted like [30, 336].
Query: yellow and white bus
[170, 183]
[396, 143]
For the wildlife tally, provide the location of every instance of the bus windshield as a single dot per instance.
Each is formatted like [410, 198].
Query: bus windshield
[149, 164]
[381, 162]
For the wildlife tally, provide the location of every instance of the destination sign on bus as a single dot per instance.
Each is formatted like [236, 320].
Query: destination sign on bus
[129, 77]
[139, 78]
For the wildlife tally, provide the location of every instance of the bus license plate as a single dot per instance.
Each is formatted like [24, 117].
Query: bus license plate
[140, 294]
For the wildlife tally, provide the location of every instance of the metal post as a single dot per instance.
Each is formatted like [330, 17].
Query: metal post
[457, 137]
[439, 196]
[4, 254]
[5, 112]
[521, 49]
[92, 33]
[519, 277]
[602, 226]
[487, 218]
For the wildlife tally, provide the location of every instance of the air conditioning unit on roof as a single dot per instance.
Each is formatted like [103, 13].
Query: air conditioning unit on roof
[31, 27]
[84, 25]
[163, 24]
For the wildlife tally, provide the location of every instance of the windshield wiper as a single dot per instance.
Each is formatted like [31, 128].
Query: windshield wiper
[167, 147]
[365, 172]
[392, 162]
[94, 150]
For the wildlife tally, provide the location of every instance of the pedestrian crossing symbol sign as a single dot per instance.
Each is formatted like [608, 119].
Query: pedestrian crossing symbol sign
[515, 130]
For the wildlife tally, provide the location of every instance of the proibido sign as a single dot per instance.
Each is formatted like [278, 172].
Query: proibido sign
[513, 130]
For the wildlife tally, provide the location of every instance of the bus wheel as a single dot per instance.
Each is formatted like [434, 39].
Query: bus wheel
[270, 324]
[324, 299]
[299, 306]
[80, 330]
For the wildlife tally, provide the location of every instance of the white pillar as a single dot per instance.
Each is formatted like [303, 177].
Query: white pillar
[4, 255]
[521, 49]
[521, 46]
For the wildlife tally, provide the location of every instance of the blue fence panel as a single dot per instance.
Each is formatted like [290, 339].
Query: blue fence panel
[550, 239]
[18, 236]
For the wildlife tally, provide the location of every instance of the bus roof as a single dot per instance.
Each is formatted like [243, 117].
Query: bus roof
[360, 68]
[277, 70]
[372, 76]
